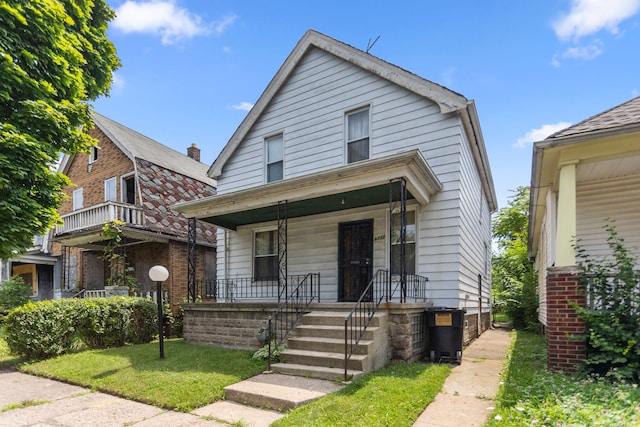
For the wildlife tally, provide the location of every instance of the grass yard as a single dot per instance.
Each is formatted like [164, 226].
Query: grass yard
[393, 396]
[189, 377]
[533, 396]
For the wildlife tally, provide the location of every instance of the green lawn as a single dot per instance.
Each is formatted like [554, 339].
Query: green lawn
[190, 376]
[393, 396]
[532, 396]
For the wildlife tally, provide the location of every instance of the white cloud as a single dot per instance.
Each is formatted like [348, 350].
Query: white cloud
[539, 134]
[221, 26]
[584, 52]
[243, 106]
[172, 22]
[447, 76]
[587, 17]
[117, 83]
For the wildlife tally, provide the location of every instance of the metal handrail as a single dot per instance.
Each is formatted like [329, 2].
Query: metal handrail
[285, 318]
[379, 288]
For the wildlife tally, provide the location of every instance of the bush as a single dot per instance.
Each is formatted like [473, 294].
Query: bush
[50, 328]
[613, 315]
[14, 293]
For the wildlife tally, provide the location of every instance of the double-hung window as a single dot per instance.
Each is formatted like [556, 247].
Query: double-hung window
[274, 158]
[93, 155]
[410, 243]
[265, 259]
[110, 190]
[358, 135]
[78, 199]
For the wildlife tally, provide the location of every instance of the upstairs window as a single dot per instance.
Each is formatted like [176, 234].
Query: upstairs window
[78, 199]
[128, 186]
[274, 158]
[265, 261]
[110, 190]
[93, 155]
[358, 136]
[410, 243]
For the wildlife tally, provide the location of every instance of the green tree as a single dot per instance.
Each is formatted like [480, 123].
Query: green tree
[514, 278]
[54, 59]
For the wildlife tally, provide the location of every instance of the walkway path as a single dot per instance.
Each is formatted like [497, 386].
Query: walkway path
[467, 397]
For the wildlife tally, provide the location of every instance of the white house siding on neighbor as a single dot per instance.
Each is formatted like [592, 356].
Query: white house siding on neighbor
[453, 230]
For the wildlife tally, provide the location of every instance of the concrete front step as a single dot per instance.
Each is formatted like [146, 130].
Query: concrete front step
[356, 362]
[279, 392]
[330, 331]
[318, 372]
[331, 345]
[333, 318]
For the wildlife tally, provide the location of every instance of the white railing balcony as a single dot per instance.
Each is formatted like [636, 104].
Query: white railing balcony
[96, 215]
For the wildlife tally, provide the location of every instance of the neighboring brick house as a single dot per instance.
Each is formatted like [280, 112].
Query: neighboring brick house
[134, 179]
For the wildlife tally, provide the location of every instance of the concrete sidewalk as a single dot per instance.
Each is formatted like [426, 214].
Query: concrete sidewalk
[465, 400]
[467, 397]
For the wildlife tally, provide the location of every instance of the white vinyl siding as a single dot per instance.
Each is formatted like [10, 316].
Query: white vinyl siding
[78, 199]
[310, 109]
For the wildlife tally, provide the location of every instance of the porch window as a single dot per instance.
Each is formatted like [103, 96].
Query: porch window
[110, 190]
[410, 240]
[265, 261]
[78, 199]
[274, 158]
[358, 136]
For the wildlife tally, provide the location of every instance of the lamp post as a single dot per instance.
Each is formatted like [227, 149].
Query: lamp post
[159, 274]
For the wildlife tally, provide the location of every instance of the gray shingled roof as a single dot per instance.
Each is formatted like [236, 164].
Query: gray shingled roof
[627, 113]
[135, 145]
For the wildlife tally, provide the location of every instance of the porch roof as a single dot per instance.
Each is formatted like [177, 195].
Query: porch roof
[364, 183]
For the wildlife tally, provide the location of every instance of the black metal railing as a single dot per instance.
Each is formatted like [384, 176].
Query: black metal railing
[382, 286]
[246, 288]
[284, 320]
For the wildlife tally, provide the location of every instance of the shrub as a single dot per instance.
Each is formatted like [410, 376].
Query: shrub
[43, 329]
[613, 314]
[14, 293]
[50, 328]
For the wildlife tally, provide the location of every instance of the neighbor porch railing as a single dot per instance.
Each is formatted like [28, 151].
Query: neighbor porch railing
[97, 215]
[383, 286]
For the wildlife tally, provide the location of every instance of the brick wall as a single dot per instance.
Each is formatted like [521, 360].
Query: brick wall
[564, 353]
[111, 163]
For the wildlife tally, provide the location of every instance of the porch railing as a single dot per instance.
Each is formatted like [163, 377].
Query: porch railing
[382, 286]
[246, 288]
[284, 320]
[99, 214]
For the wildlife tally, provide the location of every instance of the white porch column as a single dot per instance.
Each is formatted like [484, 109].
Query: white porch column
[566, 215]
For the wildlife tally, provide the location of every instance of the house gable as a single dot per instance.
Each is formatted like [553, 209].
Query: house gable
[446, 100]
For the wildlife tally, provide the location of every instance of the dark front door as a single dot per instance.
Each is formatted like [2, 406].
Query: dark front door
[355, 258]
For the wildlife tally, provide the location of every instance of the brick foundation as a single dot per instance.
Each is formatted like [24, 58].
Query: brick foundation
[564, 353]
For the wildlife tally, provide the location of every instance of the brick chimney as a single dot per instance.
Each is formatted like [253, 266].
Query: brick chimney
[194, 152]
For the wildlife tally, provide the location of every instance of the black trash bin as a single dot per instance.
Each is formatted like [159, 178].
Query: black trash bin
[444, 326]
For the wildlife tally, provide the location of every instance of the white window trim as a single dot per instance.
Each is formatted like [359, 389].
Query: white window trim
[93, 155]
[266, 155]
[74, 197]
[253, 246]
[123, 187]
[387, 249]
[347, 113]
[115, 189]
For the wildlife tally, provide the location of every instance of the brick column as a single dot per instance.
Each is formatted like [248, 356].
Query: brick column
[564, 353]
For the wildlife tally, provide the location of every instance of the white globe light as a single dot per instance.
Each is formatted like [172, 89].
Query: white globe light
[158, 273]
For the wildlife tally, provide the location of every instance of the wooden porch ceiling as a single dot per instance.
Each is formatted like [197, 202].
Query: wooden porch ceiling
[313, 206]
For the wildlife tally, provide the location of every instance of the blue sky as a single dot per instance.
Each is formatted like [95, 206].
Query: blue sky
[192, 68]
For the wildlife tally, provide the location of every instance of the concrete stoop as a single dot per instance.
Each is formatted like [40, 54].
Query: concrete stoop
[316, 350]
[279, 392]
